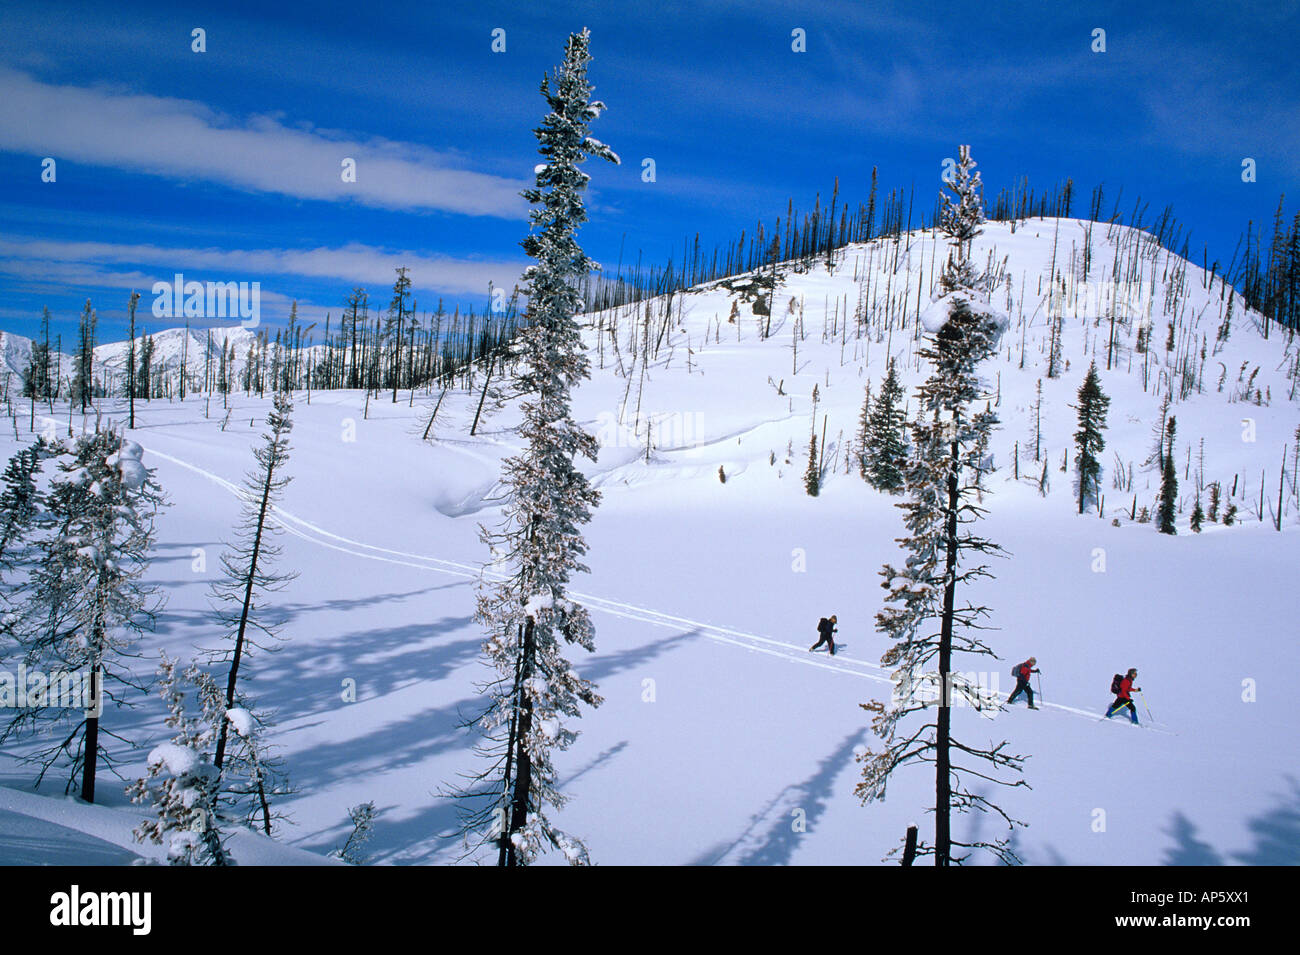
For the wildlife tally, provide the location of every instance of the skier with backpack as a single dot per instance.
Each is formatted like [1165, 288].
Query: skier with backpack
[1122, 687]
[1022, 672]
[826, 631]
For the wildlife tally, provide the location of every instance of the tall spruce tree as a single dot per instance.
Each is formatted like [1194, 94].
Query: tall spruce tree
[1166, 508]
[144, 375]
[886, 452]
[83, 379]
[36, 376]
[396, 320]
[130, 361]
[922, 614]
[547, 501]
[1092, 407]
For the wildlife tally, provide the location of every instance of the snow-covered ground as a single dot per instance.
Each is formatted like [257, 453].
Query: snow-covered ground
[720, 732]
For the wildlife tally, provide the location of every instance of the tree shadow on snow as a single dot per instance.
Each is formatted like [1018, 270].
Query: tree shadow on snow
[1276, 834]
[777, 844]
[1187, 848]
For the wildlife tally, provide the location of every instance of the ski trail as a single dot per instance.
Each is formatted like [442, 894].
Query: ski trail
[306, 530]
[755, 643]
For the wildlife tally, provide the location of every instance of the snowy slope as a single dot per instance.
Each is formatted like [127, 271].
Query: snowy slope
[42, 830]
[16, 355]
[720, 730]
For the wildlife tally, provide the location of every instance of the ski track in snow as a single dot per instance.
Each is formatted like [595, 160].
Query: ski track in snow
[314, 534]
[755, 643]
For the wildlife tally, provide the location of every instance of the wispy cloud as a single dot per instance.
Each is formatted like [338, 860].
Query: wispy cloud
[110, 265]
[186, 140]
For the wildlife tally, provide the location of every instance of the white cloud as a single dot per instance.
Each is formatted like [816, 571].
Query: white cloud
[81, 264]
[187, 140]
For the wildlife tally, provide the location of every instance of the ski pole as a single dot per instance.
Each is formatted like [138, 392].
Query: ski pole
[1144, 706]
[1040, 686]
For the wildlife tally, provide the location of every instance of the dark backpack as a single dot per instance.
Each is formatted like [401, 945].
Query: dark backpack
[824, 627]
[1116, 684]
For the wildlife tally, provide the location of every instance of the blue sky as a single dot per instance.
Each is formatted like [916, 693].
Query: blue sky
[224, 165]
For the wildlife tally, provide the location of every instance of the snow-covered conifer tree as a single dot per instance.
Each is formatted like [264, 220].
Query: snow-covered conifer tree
[20, 503]
[181, 781]
[922, 614]
[249, 775]
[87, 604]
[539, 542]
[363, 819]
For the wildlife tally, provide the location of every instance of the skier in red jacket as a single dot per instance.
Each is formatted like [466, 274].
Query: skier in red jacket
[1124, 696]
[1022, 682]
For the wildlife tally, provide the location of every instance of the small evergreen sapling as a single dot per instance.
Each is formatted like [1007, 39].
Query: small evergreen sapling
[181, 782]
[812, 476]
[363, 817]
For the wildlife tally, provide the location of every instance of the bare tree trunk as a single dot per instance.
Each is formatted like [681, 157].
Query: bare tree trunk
[943, 767]
[909, 849]
[523, 780]
[91, 751]
[481, 398]
[243, 616]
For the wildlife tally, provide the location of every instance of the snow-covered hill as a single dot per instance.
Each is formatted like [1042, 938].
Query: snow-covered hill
[722, 739]
[174, 348]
